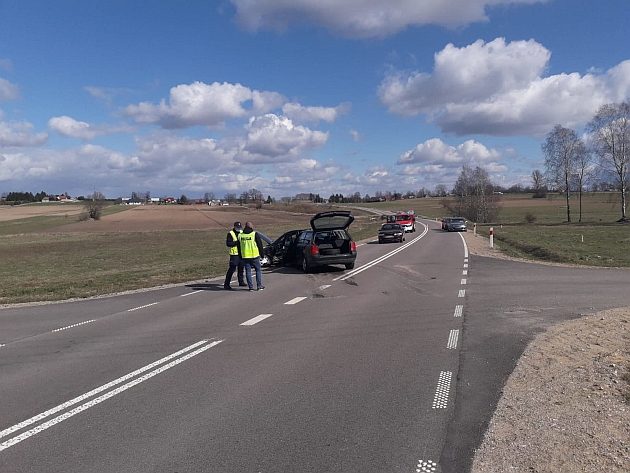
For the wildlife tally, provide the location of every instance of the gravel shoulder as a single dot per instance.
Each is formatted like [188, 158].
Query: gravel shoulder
[566, 406]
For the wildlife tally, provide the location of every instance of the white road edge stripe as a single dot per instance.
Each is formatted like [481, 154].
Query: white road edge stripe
[459, 309]
[142, 306]
[382, 258]
[83, 397]
[257, 319]
[325, 286]
[465, 247]
[295, 300]
[452, 339]
[461, 293]
[191, 293]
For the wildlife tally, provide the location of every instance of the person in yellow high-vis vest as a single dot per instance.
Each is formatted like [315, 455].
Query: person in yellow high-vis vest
[250, 249]
[235, 264]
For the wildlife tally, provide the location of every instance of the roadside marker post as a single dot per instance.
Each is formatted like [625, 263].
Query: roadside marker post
[475, 229]
[491, 237]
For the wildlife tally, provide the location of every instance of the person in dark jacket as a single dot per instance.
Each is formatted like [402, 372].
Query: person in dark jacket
[235, 264]
[250, 249]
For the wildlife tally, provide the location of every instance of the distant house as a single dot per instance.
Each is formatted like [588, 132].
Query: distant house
[169, 200]
[154, 200]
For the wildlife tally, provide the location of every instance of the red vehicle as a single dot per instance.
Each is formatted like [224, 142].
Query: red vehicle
[406, 219]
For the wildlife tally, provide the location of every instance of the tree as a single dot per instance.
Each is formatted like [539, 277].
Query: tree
[583, 170]
[610, 136]
[440, 190]
[561, 148]
[182, 200]
[538, 184]
[475, 195]
[94, 205]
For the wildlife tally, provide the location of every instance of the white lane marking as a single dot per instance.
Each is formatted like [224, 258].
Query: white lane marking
[465, 272]
[343, 277]
[440, 401]
[463, 282]
[295, 300]
[452, 339]
[461, 293]
[426, 466]
[142, 306]
[73, 325]
[465, 265]
[257, 319]
[60, 407]
[459, 309]
[2, 345]
[465, 246]
[325, 286]
[191, 293]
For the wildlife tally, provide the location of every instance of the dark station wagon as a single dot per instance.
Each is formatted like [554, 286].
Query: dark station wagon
[326, 242]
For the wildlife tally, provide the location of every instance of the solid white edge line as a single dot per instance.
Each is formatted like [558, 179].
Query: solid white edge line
[465, 245]
[102, 388]
[295, 300]
[40, 428]
[366, 266]
[257, 319]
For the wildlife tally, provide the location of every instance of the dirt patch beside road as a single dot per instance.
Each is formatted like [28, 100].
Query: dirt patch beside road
[566, 406]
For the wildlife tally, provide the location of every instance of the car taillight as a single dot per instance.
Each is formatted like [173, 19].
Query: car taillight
[314, 250]
[353, 246]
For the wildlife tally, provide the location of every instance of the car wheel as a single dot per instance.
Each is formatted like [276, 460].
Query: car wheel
[305, 266]
[349, 265]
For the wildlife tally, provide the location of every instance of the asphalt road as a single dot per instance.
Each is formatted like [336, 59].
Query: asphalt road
[393, 367]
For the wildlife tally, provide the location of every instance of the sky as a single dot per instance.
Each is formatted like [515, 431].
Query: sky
[292, 96]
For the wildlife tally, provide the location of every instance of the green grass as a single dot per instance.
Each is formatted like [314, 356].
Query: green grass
[55, 266]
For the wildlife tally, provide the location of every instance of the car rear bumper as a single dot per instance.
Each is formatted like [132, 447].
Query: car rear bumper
[323, 260]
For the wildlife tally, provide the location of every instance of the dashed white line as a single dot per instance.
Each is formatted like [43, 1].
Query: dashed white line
[463, 282]
[452, 339]
[295, 300]
[191, 293]
[465, 265]
[72, 326]
[257, 319]
[325, 286]
[461, 293]
[465, 272]
[426, 466]
[142, 306]
[76, 400]
[459, 309]
[440, 401]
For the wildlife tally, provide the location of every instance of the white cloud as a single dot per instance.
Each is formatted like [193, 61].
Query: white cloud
[364, 18]
[273, 138]
[301, 114]
[8, 91]
[204, 104]
[436, 161]
[356, 136]
[20, 134]
[68, 126]
[498, 88]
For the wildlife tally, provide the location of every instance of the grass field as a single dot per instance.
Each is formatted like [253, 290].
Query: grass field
[42, 265]
[53, 257]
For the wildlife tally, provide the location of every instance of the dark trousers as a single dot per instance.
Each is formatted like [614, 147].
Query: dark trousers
[255, 262]
[235, 262]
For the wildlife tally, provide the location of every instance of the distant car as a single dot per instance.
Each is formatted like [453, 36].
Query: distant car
[326, 242]
[391, 232]
[454, 224]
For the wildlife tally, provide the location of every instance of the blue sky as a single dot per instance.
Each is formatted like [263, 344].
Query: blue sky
[290, 96]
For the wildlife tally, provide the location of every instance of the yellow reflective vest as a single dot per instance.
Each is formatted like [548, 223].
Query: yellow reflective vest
[249, 248]
[233, 250]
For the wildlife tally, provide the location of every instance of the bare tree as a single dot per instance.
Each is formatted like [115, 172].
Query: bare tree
[94, 205]
[561, 148]
[583, 170]
[475, 197]
[610, 134]
[539, 184]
